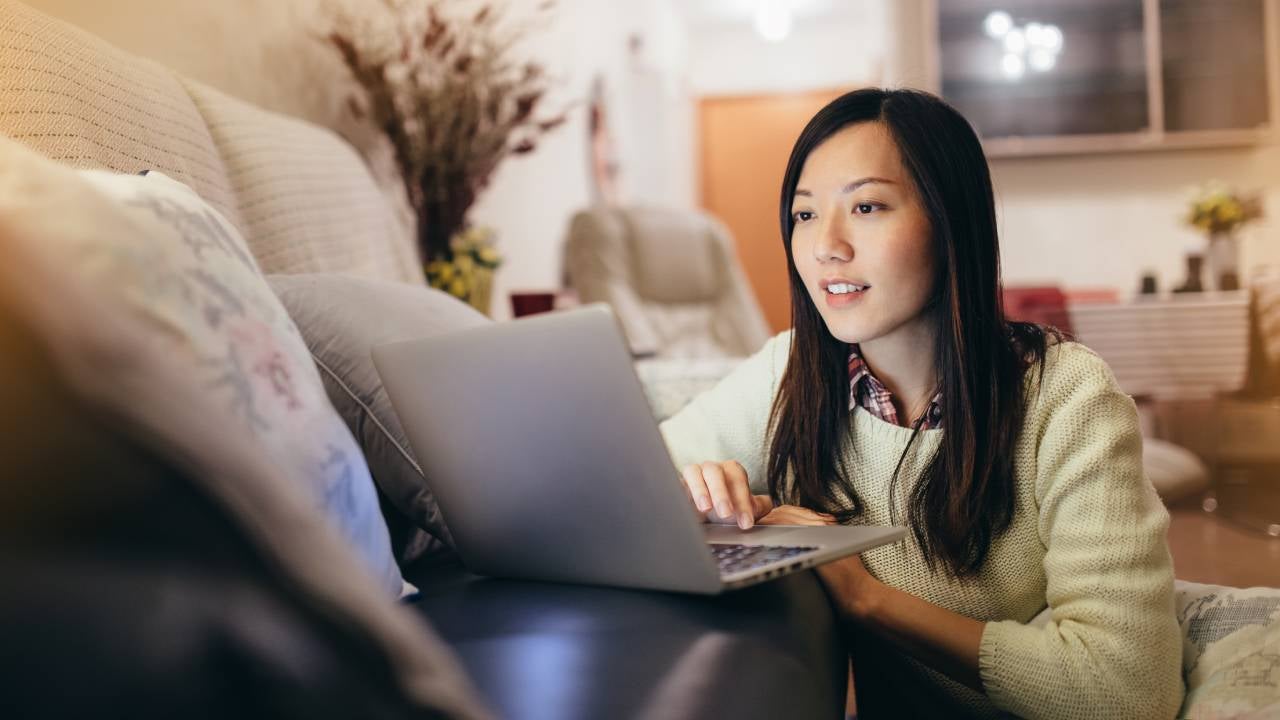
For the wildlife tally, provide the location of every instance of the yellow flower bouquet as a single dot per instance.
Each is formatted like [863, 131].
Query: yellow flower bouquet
[468, 273]
[1218, 209]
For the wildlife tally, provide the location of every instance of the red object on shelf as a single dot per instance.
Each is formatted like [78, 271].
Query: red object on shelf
[1045, 305]
[532, 303]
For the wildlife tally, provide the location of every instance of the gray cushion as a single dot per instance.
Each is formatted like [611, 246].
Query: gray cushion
[341, 318]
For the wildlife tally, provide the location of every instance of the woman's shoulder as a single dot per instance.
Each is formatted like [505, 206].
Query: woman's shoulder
[1069, 372]
[771, 359]
[1071, 360]
[779, 344]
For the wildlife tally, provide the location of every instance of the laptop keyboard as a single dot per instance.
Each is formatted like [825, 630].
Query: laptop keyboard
[734, 557]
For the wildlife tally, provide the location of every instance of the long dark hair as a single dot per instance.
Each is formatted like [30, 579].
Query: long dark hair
[964, 497]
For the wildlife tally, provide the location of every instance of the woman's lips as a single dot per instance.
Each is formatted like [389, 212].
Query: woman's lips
[842, 300]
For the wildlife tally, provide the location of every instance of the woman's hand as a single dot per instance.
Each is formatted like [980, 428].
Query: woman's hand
[721, 490]
[796, 515]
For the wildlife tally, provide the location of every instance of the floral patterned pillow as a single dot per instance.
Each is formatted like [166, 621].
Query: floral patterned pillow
[1231, 651]
[192, 278]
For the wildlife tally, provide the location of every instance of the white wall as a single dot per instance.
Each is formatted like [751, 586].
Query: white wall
[532, 197]
[734, 60]
[1100, 221]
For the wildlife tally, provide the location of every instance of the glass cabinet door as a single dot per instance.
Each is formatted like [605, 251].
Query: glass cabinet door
[1045, 68]
[1214, 64]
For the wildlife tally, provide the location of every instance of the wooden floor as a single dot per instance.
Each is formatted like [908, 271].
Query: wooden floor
[1211, 548]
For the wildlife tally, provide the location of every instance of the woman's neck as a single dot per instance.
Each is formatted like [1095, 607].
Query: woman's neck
[904, 362]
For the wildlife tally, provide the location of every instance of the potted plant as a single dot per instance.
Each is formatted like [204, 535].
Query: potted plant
[446, 88]
[1219, 212]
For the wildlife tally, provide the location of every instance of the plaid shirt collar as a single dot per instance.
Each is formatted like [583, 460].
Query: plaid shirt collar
[867, 391]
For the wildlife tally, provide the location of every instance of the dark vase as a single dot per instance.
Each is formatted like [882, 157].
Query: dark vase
[1195, 269]
[1149, 285]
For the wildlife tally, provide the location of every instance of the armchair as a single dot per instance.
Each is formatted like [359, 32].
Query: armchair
[672, 278]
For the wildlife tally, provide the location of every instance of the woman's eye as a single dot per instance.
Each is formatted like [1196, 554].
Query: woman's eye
[865, 208]
[801, 216]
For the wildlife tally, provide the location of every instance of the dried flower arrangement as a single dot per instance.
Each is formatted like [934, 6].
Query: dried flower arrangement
[443, 84]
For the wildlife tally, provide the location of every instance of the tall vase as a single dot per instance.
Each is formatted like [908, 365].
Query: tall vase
[1195, 269]
[481, 294]
[1223, 260]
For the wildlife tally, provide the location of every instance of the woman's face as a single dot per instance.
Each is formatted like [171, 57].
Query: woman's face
[862, 242]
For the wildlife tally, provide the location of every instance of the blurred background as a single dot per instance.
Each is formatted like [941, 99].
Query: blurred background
[1132, 145]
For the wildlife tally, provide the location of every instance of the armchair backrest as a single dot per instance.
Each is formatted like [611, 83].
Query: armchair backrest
[672, 277]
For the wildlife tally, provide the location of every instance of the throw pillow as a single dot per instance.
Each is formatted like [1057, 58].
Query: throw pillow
[104, 373]
[1231, 650]
[341, 318]
[168, 258]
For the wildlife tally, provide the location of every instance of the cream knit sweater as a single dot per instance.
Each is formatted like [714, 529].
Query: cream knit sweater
[1087, 541]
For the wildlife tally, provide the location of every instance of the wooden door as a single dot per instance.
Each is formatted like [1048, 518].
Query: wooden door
[745, 142]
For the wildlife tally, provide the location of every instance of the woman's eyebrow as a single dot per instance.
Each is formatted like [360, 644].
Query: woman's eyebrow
[801, 192]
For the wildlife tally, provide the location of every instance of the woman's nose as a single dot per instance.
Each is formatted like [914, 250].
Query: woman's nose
[833, 243]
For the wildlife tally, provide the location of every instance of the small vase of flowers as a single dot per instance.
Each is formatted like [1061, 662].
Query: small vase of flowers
[439, 78]
[1219, 212]
[468, 273]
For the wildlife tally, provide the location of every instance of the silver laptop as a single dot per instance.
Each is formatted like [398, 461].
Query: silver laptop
[545, 459]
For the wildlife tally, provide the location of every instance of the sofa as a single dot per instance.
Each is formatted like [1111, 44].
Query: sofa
[165, 552]
[168, 553]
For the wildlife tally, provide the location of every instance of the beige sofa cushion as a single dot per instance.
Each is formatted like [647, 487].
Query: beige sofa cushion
[303, 197]
[274, 55]
[306, 197]
[77, 99]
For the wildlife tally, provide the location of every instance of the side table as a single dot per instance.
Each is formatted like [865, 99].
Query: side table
[571, 652]
[1239, 440]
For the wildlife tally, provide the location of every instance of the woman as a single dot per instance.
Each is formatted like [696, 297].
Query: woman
[903, 396]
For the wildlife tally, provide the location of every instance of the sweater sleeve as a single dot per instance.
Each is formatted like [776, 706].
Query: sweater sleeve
[730, 421]
[1112, 648]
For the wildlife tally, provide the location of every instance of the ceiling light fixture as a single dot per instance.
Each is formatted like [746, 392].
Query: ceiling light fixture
[1035, 45]
[773, 19]
[1041, 60]
[997, 24]
[1012, 66]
